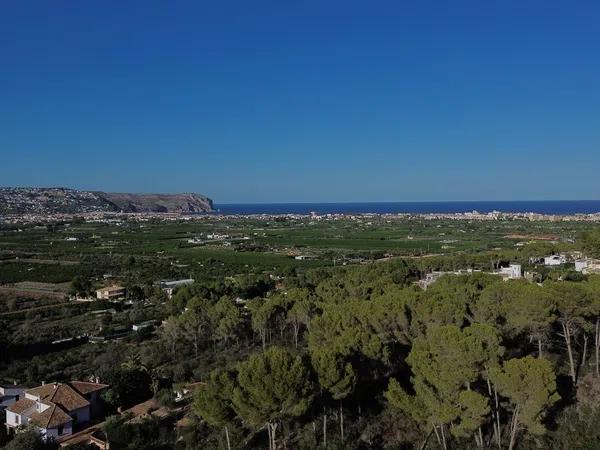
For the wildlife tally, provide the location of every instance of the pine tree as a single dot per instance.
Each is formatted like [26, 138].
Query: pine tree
[530, 386]
[272, 387]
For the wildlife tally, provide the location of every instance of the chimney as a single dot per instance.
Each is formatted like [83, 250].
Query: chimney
[43, 382]
[55, 385]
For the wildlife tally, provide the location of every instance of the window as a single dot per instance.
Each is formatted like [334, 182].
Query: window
[17, 419]
[61, 430]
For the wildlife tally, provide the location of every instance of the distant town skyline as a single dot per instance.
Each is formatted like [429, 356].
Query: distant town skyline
[315, 102]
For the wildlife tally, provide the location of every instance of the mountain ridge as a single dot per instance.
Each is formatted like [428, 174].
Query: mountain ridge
[49, 200]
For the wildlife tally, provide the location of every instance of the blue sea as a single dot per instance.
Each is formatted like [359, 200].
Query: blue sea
[562, 207]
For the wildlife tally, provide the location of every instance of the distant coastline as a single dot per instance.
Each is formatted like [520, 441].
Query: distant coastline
[558, 207]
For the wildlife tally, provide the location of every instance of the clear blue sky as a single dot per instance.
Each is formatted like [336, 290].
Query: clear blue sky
[267, 101]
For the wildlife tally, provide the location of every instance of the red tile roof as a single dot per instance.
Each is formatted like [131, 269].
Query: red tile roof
[85, 387]
[50, 418]
[60, 398]
[60, 394]
[21, 405]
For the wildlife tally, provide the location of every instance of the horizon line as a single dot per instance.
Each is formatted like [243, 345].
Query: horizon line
[397, 201]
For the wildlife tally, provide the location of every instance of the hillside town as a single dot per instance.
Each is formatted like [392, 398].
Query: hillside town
[39, 202]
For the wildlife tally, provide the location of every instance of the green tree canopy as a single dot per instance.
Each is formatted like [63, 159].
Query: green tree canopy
[530, 386]
[212, 401]
[272, 387]
[226, 319]
[445, 364]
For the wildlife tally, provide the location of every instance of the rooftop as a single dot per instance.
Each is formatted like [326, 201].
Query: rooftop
[50, 418]
[21, 405]
[60, 394]
[85, 387]
[111, 288]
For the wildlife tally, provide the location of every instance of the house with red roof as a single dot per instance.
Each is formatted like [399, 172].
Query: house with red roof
[55, 408]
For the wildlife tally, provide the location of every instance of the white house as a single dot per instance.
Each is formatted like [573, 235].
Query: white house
[512, 272]
[169, 286]
[554, 260]
[432, 277]
[217, 236]
[55, 408]
[111, 293]
[184, 391]
[581, 265]
[305, 257]
[9, 394]
[587, 265]
[143, 325]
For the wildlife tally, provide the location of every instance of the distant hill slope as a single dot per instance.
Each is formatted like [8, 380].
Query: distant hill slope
[63, 200]
[182, 203]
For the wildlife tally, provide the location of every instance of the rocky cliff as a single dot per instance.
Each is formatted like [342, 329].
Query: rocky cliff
[180, 203]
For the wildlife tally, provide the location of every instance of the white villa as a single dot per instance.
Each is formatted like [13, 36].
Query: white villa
[587, 265]
[432, 277]
[169, 286]
[9, 395]
[55, 408]
[554, 260]
[512, 272]
[111, 293]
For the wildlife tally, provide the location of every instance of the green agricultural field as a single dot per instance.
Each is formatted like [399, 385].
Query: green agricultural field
[14, 272]
[133, 251]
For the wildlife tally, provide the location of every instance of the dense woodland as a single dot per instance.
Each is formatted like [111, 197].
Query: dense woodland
[360, 358]
[352, 357]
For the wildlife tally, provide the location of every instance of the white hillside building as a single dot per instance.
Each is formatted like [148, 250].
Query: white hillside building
[55, 408]
[169, 286]
[512, 272]
[587, 266]
[554, 260]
